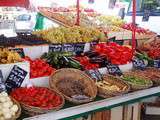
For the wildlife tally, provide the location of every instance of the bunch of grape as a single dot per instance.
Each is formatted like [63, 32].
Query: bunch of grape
[111, 20]
[74, 34]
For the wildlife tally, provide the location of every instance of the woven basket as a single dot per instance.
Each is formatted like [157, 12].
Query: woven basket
[65, 80]
[19, 110]
[32, 111]
[152, 74]
[136, 86]
[115, 81]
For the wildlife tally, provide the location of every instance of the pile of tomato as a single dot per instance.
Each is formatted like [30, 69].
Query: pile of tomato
[85, 62]
[39, 68]
[38, 97]
[114, 52]
[154, 53]
[138, 29]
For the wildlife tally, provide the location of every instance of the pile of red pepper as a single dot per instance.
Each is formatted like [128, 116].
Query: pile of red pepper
[39, 68]
[115, 53]
[85, 62]
[37, 97]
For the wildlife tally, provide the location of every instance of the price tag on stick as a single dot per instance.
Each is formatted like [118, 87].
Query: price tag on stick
[114, 70]
[55, 48]
[156, 63]
[79, 48]
[94, 74]
[139, 64]
[15, 78]
[68, 48]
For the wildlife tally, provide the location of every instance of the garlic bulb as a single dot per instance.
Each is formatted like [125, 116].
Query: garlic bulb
[7, 107]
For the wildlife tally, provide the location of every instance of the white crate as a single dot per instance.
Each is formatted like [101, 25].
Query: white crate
[35, 51]
[6, 69]
[41, 81]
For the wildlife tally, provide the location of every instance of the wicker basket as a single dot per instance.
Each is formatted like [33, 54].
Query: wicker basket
[68, 80]
[151, 73]
[32, 111]
[135, 86]
[18, 112]
[115, 81]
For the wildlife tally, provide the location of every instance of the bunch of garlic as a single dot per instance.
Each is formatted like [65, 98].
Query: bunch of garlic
[7, 108]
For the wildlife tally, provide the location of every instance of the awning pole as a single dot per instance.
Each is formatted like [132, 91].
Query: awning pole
[134, 26]
[78, 13]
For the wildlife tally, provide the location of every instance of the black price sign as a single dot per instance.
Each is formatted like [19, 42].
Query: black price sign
[93, 43]
[156, 64]
[68, 48]
[114, 70]
[79, 48]
[20, 51]
[94, 74]
[15, 78]
[146, 15]
[55, 48]
[139, 63]
[2, 85]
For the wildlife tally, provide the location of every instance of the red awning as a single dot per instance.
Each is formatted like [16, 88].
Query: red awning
[15, 3]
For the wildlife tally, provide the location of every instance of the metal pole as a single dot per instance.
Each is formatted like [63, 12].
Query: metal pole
[134, 26]
[78, 13]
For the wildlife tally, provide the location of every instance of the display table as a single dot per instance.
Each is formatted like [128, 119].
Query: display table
[69, 112]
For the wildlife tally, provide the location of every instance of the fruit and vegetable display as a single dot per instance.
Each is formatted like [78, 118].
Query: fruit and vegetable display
[111, 20]
[152, 48]
[71, 35]
[151, 73]
[41, 97]
[7, 56]
[138, 29]
[8, 108]
[86, 63]
[111, 86]
[76, 86]
[108, 86]
[115, 53]
[137, 82]
[78, 64]
[21, 39]
[61, 60]
[39, 68]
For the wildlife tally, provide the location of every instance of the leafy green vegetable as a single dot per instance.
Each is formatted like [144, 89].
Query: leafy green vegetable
[136, 80]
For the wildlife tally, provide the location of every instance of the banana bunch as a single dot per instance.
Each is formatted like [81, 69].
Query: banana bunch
[74, 34]
[7, 56]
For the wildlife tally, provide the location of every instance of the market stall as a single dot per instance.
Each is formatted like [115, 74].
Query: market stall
[77, 68]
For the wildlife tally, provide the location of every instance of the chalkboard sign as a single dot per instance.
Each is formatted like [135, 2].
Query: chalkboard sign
[2, 85]
[94, 74]
[114, 69]
[156, 64]
[93, 43]
[20, 51]
[146, 15]
[55, 48]
[15, 78]
[139, 63]
[79, 48]
[68, 48]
